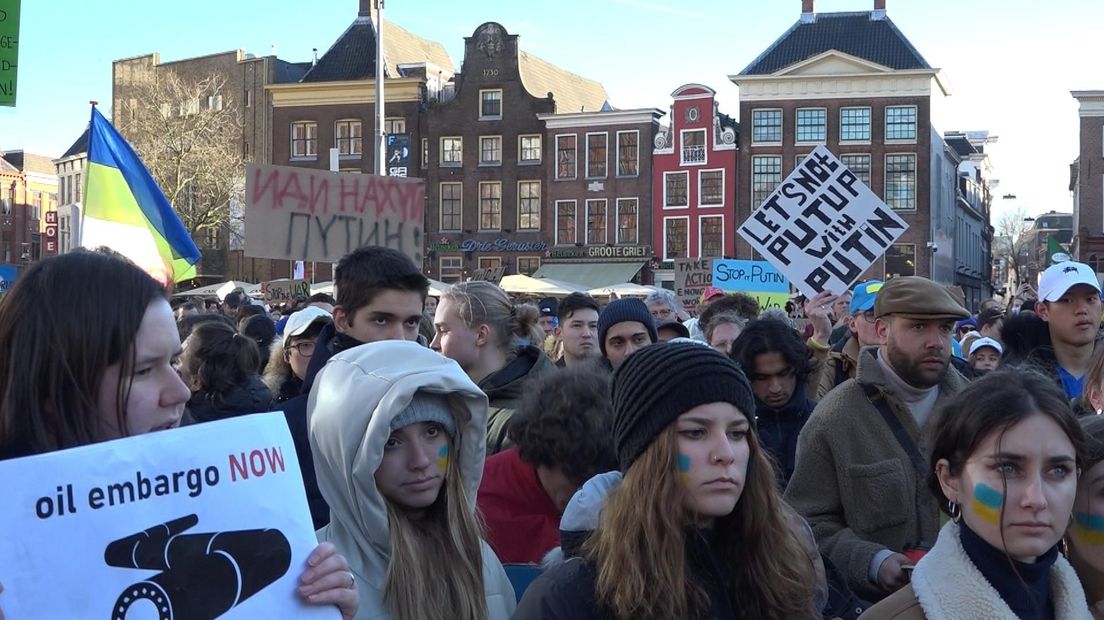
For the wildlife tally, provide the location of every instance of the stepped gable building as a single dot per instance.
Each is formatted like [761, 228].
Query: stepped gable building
[853, 82]
[487, 161]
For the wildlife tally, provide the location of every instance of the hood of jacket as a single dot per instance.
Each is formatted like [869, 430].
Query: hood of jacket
[349, 413]
[253, 396]
[505, 387]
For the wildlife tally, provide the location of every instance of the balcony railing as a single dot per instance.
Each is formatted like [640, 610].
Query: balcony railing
[694, 154]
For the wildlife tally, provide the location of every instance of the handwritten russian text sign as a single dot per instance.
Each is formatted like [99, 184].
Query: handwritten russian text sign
[304, 214]
[822, 226]
[203, 521]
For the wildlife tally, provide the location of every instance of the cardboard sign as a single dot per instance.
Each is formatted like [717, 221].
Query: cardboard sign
[9, 50]
[492, 274]
[757, 278]
[280, 291]
[203, 521]
[692, 277]
[822, 226]
[304, 214]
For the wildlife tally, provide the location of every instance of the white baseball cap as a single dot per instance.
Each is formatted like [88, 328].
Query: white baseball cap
[1060, 278]
[986, 342]
[300, 320]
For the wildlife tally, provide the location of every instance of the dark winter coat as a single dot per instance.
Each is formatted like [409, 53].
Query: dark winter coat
[251, 397]
[778, 429]
[505, 388]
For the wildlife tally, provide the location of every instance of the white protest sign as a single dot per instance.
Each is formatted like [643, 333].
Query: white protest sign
[822, 227]
[203, 521]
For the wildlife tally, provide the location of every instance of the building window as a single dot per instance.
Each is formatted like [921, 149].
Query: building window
[490, 104]
[528, 265]
[529, 149]
[628, 153]
[452, 206]
[452, 151]
[490, 262]
[394, 126]
[901, 122]
[214, 103]
[712, 236]
[812, 124]
[854, 124]
[596, 155]
[766, 126]
[490, 205]
[711, 187]
[451, 269]
[693, 147]
[766, 174]
[900, 182]
[676, 231]
[596, 221]
[425, 152]
[490, 150]
[628, 213]
[348, 137]
[210, 238]
[248, 99]
[900, 260]
[529, 205]
[566, 157]
[859, 165]
[304, 139]
[565, 222]
[674, 189]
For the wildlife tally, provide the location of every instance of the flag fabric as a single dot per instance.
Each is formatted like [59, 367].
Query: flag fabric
[1055, 252]
[125, 210]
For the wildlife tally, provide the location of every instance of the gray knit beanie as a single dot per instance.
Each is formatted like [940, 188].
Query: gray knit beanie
[426, 407]
[662, 381]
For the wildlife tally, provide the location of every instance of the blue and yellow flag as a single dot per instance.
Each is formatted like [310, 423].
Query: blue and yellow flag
[125, 210]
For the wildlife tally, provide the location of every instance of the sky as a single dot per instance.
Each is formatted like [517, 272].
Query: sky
[1011, 64]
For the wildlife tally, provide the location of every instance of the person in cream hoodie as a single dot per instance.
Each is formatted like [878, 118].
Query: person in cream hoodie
[398, 434]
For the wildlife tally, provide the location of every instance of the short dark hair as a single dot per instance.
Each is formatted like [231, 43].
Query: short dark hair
[772, 336]
[576, 301]
[186, 325]
[366, 272]
[325, 298]
[217, 359]
[247, 310]
[565, 420]
[261, 330]
[233, 299]
[989, 317]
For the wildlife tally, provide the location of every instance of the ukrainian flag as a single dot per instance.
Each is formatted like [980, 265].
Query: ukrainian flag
[125, 210]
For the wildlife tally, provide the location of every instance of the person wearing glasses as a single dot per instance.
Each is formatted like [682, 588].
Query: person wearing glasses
[662, 305]
[287, 364]
[843, 359]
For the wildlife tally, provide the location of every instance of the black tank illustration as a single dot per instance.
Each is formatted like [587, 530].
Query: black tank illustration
[202, 576]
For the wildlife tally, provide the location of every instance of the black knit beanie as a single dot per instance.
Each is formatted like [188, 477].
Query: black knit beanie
[662, 381]
[620, 311]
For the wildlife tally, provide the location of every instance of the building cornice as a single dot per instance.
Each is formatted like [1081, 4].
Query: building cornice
[599, 119]
[1091, 103]
[302, 94]
[839, 86]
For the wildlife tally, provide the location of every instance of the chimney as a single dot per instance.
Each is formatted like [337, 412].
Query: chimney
[879, 10]
[807, 15]
[366, 8]
[879, 5]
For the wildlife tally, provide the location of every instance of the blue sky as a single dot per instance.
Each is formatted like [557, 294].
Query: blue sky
[1010, 63]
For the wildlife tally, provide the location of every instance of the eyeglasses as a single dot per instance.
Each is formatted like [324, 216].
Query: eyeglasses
[662, 313]
[869, 316]
[306, 349]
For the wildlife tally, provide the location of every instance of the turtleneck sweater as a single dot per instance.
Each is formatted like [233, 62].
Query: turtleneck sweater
[1024, 587]
[920, 401]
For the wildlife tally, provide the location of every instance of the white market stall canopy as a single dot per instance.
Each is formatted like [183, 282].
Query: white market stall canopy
[220, 290]
[521, 284]
[623, 290]
[590, 275]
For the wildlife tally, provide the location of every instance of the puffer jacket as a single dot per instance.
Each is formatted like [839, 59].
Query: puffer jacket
[253, 396]
[349, 415]
[505, 388]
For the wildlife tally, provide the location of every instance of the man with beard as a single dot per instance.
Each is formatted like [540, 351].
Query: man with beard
[861, 472]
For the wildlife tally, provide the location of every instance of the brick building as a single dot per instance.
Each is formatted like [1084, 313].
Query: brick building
[70, 172]
[694, 180]
[485, 162]
[28, 189]
[598, 223]
[1087, 181]
[853, 82]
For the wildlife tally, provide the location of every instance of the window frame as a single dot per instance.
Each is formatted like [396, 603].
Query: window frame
[701, 185]
[351, 140]
[539, 198]
[574, 218]
[539, 149]
[482, 101]
[441, 206]
[672, 173]
[701, 235]
[869, 124]
[528, 258]
[605, 222]
[666, 254]
[308, 141]
[915, 124]
[823, 112]
[885, 258]
[445, 162]
[459, 267]
[482, 150]
[497, 184]
[636, 155]
[755, 125]
[755, 203]
[605, 155]
[869, 162]
[636, 226]
[683, 161]
[886, 197]
[575, 157]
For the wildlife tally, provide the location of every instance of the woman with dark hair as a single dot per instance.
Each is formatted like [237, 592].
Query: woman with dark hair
[696, 528]
[1005, 460]
[219, 366]
[261, 330]
[72, 374]
[1085, 537]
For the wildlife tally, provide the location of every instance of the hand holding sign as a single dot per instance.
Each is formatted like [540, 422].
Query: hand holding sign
[328, 581]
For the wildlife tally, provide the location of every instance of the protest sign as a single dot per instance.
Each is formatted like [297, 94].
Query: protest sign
[756, 278]
[692, 277]
[203, 521]
[284, 290]
[822, 226]
[303, 214]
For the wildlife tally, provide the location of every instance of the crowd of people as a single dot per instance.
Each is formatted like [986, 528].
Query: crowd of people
[884, 452]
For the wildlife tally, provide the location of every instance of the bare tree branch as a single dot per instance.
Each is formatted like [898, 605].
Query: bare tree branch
[1012, 226]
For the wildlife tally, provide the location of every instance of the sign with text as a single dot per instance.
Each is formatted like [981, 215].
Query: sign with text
[303, 214]
[398, 154]
[8, 275]
[280, 291]
[822, 226]
[203, 521]
[692, 277]
[9, 50]
[757, 278]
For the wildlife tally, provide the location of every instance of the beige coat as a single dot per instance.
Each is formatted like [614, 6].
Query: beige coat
[947, 586]
[855, 484]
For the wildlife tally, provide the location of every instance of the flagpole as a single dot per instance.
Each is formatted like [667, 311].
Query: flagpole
[381, 146]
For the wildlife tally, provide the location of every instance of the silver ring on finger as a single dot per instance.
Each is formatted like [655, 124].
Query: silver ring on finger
[352, 581]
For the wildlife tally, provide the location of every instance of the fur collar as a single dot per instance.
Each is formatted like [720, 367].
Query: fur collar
[950, 587]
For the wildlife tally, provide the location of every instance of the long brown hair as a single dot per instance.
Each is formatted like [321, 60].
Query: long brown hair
[639, 550]
[436, 567]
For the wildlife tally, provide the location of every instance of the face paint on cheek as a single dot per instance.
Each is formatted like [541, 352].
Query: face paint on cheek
[683, 462]
[443, 458]
[987, 503]
[1089, 528]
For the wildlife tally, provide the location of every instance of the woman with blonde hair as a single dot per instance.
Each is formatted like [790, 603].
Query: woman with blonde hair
[398, 437]
[496, 343]
[696, 528]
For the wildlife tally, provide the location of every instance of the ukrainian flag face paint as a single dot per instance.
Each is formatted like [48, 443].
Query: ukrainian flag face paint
[683, 463]
[1088, 528]
[443, 458]
[987, 503]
